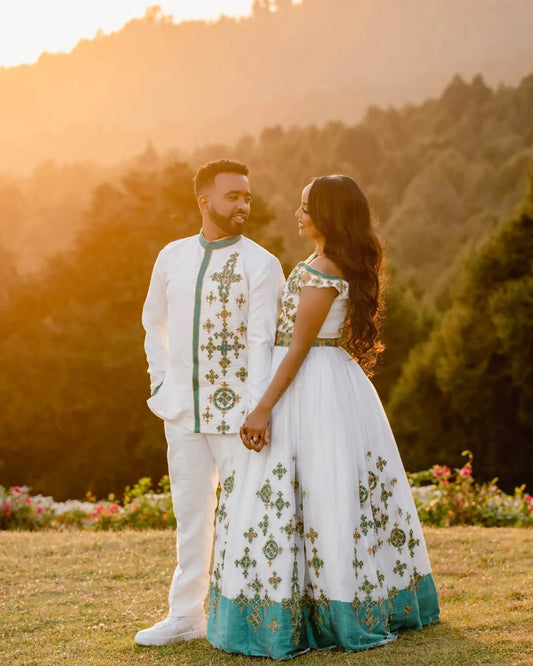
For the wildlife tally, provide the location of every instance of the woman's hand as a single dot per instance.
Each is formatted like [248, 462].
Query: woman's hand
[255, 432]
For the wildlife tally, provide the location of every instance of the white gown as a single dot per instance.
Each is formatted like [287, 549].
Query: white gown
[318, 539]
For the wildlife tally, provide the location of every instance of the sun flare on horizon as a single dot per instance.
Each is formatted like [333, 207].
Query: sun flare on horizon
[29, 28]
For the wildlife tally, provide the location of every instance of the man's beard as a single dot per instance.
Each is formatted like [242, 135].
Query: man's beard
[225, 222]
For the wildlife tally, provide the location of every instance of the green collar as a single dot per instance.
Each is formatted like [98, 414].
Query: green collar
[216, 245]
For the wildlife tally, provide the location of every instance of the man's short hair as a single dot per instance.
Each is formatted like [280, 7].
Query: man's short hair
[206, 174]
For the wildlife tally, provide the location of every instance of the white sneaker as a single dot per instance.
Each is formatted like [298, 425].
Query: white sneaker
[172, 630]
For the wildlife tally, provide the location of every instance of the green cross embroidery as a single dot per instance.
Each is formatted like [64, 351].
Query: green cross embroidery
[250, 535]
[316, 563]
[211, 376]
[242, 374]
[264, 523]
[381, 463]
[245, 562]
[412, 543]
[207, 416]
[279, 471]
[274, 580]
[311, 535]
[210, 348]
[400, 568]
[279, 504]
[385, 494]
[274, 625]
[367, 586]
[223, 427]
[357, 563]
[227, 277]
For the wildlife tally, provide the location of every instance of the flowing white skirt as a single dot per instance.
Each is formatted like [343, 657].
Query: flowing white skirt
[318, 539]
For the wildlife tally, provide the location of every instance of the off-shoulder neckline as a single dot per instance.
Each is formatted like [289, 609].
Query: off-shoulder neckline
[320, 273]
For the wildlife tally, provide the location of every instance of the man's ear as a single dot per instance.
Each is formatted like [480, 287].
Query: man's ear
[203, 203]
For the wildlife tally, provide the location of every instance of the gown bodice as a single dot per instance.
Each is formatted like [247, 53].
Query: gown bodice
[304, 275]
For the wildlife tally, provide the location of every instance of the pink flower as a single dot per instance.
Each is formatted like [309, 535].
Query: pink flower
[440, 470]
[6, 508]
[40, 509]
[28, 500]
[465, 471]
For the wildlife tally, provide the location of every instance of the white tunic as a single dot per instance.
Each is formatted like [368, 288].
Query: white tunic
[210, 319]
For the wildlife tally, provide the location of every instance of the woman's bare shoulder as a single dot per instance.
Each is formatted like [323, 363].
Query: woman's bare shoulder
[326, 265]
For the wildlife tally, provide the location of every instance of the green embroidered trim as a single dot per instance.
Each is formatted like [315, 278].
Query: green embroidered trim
[284, 340]
[216, 245]
[196, 335]
[316, 272]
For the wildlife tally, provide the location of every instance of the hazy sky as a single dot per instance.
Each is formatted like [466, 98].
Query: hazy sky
[29, 27]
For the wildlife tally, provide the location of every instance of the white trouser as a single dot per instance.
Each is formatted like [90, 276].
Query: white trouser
[196, 462]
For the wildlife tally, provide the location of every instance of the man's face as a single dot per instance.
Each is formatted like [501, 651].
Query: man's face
[226, 205]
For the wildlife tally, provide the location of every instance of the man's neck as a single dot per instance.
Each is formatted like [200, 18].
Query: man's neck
[214, 235]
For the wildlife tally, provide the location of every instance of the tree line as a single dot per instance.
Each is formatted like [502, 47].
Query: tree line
[444, 177]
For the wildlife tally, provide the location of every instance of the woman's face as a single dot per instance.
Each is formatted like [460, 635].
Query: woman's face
[306, 228]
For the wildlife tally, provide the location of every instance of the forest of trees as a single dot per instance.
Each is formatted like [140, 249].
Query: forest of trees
[449, 182]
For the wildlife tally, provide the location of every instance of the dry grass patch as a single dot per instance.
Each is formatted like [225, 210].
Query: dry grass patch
[78, 598]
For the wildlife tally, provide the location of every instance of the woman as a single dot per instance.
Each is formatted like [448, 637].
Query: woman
[318, 539]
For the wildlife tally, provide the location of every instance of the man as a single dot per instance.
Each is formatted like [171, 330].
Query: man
[210, 319]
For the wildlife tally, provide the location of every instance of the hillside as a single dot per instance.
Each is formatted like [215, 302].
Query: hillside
[439, 174]
[443, 176]
[192, 83]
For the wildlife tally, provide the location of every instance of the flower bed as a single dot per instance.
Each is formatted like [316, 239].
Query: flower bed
[446, 497]
[443, 498]
[141, 507]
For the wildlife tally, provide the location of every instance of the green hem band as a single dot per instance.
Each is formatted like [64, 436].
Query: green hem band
[261, 627]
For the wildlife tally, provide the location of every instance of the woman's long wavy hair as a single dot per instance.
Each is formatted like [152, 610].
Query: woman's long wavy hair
[340, 211]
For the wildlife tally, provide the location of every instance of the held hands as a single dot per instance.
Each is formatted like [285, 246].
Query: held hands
[255, 432]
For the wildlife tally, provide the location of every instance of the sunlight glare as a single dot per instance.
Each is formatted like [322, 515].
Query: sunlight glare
[30, 27]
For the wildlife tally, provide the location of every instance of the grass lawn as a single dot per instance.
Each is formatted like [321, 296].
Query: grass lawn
[78, 598]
